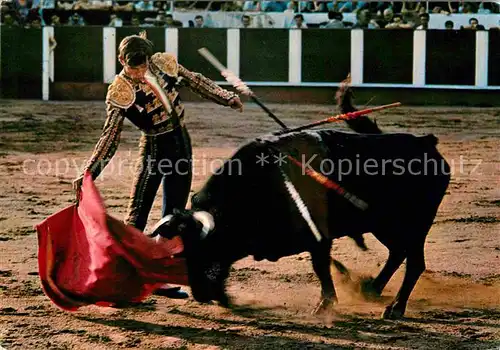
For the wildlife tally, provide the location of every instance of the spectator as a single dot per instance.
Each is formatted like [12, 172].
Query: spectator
[421, 8]
[348, 6]
[76, 20]
[101, 4]
[364, 20]
[120, 5]
[439, 10]
[485, 8]
[473, 24]
[246, 22]
[22, 8]
[449, 25]
[410, 19]
[318, 6]
[144, 5]
[39, 6]
[399, 23]
[35, 23]
[453, 7]
[135, 21]
[92, 5]
[388, 14]
[229, 6]
[115, 21]
[160, 19]
[161, 6]
[82, 5]
[55, 21]
[467, 8]
[290, 7]
[424, 21]
[299, 22]
[334, 20]
[199, 22]
[273, 6]
[249, 6]
[65, 5]
[9, 21]
[170, 22]
[303, 6]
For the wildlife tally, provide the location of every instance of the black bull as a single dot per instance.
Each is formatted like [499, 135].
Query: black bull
[401, 177]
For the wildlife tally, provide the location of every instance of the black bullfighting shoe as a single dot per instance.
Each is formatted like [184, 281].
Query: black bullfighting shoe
[171, 292]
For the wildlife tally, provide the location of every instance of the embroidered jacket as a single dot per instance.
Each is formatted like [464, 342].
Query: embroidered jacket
[154, 106]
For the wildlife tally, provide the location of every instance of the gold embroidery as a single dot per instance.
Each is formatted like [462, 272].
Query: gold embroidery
[179, 109]
[151, 106]
[166, 62]
[146, 89]
[205, 87]
[164, 127]
[120, 93]
[159, 117]
[172, 95]
[162, 82]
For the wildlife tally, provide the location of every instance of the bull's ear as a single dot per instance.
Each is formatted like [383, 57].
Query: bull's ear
[207, 220]
[156, 230]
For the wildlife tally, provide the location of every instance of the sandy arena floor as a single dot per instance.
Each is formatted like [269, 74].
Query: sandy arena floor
[456, 304]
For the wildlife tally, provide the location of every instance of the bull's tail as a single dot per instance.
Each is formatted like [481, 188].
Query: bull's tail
[344, 98]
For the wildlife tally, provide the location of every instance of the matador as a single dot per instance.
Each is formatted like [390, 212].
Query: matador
[145, 92]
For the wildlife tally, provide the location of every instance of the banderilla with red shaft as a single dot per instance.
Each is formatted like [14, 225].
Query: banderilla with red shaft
[336, 118]
[323, 180]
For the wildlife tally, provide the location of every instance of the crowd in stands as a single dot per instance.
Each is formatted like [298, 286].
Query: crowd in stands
[149, 13]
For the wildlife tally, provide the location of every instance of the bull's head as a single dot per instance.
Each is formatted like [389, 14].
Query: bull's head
[207, 272]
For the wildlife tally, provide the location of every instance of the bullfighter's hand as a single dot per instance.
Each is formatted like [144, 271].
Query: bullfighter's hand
[235, 103]
[77, 187]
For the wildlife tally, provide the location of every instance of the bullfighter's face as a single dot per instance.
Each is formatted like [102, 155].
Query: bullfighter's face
[138, 72]
[207, 273]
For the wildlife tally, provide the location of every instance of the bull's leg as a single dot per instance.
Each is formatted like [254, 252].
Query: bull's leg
[414, 267]
[374, 287]
[321, 264]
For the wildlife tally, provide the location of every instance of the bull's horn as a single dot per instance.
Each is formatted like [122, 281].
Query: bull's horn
[207, 220]
[155, 231]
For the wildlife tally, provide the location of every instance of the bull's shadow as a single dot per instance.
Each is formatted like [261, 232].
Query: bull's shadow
[370, 332]
[226, 338]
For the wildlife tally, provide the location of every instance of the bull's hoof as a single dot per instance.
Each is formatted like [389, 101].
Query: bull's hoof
[368, 290]
[224, 301]
[325, 305]
[393, 313]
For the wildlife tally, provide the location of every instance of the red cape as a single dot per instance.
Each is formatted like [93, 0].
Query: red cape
[85, 256]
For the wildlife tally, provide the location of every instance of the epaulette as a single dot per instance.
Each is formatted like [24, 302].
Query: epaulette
[120, 93]
[166, 62]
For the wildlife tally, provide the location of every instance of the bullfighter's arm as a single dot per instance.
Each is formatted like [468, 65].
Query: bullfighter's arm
[196, 82]
[107, 145]
[205, 87]
[120, 97]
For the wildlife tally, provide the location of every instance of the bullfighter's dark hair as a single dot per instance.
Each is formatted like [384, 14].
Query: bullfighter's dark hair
[135, 49]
